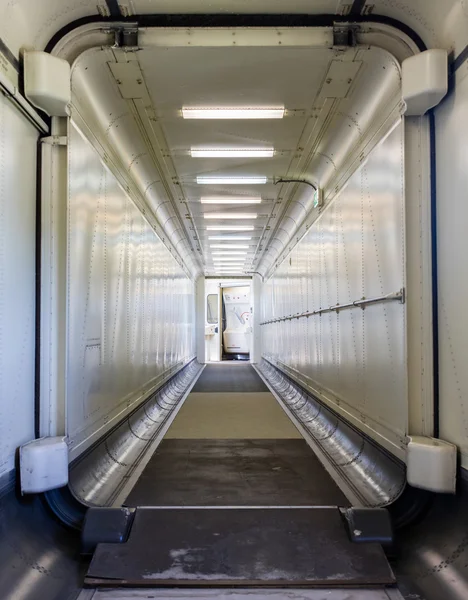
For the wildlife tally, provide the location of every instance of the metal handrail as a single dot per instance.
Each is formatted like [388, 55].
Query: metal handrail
[362, 303]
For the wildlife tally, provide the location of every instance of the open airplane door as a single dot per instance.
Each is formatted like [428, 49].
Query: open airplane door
[237, 327]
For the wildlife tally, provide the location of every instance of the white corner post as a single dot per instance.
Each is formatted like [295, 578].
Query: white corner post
[256, 349]
[200, 319]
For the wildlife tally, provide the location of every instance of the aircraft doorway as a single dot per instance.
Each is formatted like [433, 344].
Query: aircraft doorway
[228, 321]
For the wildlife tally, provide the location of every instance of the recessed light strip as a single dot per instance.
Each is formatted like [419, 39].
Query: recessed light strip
[237, 259]
[232, 152]
[230, 228]
[229, 238]
[229, 246]
[230, 216]
[244, 112]
[228, 200]
[229, 253]
[202, 180]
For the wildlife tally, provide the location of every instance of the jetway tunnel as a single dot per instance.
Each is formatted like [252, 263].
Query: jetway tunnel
[152, 161]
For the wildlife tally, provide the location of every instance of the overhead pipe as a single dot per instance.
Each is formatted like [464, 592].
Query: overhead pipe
[117, 132]
[288, 225]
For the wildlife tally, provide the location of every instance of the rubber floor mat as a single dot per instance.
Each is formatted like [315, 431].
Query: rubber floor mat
[239, 547]
[229, 378]
[235, 473]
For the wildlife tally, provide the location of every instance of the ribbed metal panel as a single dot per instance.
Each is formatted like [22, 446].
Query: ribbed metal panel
[18, 140]
[354, 359]
[99, 477]
[130, 305]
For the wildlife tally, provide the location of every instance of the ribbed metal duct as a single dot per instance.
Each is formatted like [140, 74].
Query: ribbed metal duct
[298, 209]
[100, 475]
[375, 477]
[112, 121]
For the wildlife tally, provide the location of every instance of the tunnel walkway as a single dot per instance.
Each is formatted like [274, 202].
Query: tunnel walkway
[234, 496]
[231, 444]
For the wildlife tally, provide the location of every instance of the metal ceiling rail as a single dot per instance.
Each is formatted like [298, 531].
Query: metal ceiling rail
[362, 303]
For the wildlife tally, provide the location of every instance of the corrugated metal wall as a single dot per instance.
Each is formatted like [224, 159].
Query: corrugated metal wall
[452, 221]
[354, 359]
[130, 305]
[18, 140]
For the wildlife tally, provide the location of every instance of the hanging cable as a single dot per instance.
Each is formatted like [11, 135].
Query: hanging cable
[281, 180]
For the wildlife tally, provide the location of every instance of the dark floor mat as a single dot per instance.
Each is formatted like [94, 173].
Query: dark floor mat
[235, 473]
[229, 378]
[230, 547]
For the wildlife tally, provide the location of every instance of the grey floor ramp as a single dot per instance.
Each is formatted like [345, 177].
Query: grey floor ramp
[235, 547]
[232, 415]
[235, 473]
[229, 378]
[245, 594]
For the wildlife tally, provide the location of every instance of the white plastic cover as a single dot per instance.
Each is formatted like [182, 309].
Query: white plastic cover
[432, 464]
[47, 82]
[424, 81]
[43, 465]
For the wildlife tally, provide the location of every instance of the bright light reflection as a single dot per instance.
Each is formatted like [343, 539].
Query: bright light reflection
[201, 179]
[231, 200]
[241, 112]
[230, 228]
[231, 152]
[230, 215]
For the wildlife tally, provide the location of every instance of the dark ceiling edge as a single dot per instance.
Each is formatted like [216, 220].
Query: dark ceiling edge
[114, 9]
[238, 20]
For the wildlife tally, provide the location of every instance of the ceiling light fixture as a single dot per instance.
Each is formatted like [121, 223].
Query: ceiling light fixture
[229, 253]
[231, 152]
[230, 228]
[227, 238]
[237, 259]
[233, 113]
[228, 264]
[230, 216]
[202, 180]
[233, 200]
[229, 246]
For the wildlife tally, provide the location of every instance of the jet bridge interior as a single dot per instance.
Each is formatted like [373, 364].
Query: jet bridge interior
[231, 350]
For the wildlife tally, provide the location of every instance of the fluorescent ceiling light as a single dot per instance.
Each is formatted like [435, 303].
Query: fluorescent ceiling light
[247, 112]
[231, 152]
[228, 200]
[237, 259]
[228, 247]
[230, 228]
[230, 215]
[227, 238]
[231, 180]
[228, 252]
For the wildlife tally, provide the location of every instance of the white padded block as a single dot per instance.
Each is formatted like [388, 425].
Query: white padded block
[47, 82]
[424, 81]
[431, 464]
[43, 465]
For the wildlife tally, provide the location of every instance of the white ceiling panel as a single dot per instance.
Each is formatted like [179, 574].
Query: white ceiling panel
[243, 76]
[317, 134]
[231, 6]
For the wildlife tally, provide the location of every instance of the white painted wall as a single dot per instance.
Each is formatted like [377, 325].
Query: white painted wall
[355, 360]
[18, 140]
[452, 231]
[131, 308]
[212, 341]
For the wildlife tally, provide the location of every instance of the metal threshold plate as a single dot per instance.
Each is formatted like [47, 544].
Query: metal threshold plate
[239, 547]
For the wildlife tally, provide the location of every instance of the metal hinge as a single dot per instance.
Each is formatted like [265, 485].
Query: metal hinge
[126, 36]
[55, 140]
[344, 34]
